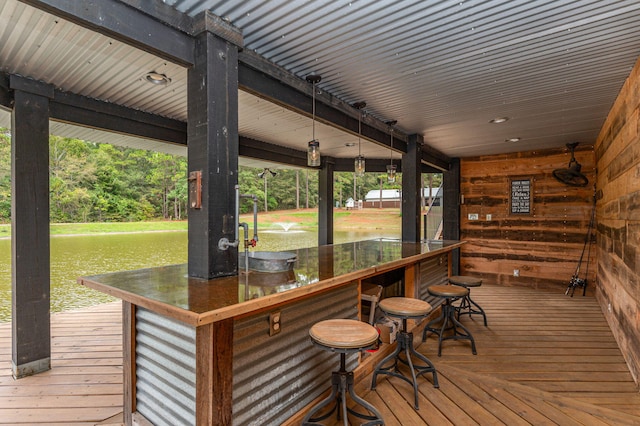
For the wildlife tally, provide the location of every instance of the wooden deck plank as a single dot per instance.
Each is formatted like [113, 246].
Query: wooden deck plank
[58, 415]
[478, 412]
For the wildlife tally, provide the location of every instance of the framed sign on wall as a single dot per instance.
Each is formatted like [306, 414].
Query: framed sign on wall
[520, 196]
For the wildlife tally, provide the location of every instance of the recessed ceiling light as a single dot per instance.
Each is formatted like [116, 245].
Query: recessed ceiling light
[512, 140]
[157, 78]
[350, 144]
[499, 120]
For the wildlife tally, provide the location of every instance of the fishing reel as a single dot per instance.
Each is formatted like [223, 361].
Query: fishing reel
[574, 283]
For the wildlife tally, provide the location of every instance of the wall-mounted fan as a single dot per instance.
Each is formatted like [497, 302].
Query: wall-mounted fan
[571, 175]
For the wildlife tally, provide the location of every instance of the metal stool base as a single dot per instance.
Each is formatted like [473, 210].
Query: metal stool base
[470, 307]
[449, 323]
[405, 345]
[342, 383]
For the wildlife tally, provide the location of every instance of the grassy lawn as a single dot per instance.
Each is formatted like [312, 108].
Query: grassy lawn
[306, 219]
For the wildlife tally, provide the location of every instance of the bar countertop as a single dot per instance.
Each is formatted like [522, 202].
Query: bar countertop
[169, 291]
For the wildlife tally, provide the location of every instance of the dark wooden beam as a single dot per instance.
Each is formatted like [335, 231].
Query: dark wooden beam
[30, 278]
[373, 165]
[253, 148]
[213, 152]
[325, 202]
[126, 24]
[6, 97]
[71, 108]
[434, 158]
[164, 13]
[411, 188]
[429, 169]
[451, 210]
[378, 165]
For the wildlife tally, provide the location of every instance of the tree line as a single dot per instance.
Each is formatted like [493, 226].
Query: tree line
[92, 182]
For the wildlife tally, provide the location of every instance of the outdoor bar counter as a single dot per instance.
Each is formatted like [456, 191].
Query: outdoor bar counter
[207, 352]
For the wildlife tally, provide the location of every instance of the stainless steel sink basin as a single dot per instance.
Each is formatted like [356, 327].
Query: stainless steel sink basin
[268, 261]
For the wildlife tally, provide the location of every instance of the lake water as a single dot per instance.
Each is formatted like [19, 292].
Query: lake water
[75, 256]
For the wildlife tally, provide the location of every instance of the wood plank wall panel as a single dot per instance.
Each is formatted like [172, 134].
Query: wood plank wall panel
[618, 212]
[544, 246]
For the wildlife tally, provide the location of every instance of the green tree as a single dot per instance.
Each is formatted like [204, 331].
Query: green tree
[165, 172]
[71, 172]
[5, 175]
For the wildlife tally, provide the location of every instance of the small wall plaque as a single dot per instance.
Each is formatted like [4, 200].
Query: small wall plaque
[521, 196]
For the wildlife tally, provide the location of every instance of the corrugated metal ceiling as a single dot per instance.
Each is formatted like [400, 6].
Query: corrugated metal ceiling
[443, 69]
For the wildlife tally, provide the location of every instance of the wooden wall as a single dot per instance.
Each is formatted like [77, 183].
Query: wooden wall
[618, 212]
[545, 245]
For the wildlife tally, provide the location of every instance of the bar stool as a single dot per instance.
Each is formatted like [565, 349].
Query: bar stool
[449, 293]
[468, 305]
[343, 336]
[405, 308]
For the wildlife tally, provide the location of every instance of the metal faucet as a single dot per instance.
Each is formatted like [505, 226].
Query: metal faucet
[224, 243]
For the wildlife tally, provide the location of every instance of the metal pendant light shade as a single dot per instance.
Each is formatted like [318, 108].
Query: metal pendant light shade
[359, 164]
[391, 168]
[313, 154]
[313, 148]
[391, 173]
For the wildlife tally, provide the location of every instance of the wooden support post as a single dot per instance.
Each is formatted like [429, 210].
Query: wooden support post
[411, 172]
[451, 210]
[325, 202]
[30, 261]
[212, 135]
[129, 360]
[214, 373]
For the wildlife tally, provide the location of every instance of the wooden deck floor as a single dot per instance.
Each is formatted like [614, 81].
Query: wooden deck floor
[545, 359]
[84, 386]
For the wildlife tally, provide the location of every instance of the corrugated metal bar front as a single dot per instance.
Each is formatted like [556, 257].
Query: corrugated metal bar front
[165, 369]
[433, 271]
[274, 377]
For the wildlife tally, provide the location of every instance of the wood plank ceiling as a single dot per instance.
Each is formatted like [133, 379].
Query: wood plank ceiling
[443, 69]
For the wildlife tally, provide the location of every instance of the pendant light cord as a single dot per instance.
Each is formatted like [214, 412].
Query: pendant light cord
[391, 150]
[359, 131]
[313, 113]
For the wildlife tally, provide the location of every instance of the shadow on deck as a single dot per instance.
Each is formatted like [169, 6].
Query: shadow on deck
[544, 359]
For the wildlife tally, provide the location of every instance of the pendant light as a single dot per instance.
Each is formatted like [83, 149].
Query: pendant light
[391, 168]
[359, 162]
[313, 149]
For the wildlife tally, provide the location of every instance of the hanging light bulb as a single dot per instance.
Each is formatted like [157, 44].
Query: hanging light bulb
[313, 148]
[359, 162]
[391, 168]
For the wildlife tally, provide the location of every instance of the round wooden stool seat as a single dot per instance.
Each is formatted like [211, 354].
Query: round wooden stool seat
[405, 307]
[343, 333]
[447, 291]
[465, 281]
